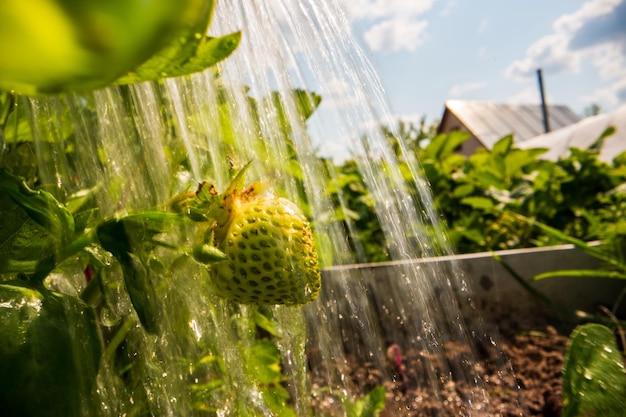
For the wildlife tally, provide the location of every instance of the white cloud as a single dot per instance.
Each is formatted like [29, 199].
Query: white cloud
[356, 9]
[338, 93]
[392, 25]
[448, 7]
[595, 35]
[549, 53]
[461, 89]
[395, 8]
[482, 25]
[529, 94]
[383, 9]
[396, 34]
[614, 94]
[610, 60]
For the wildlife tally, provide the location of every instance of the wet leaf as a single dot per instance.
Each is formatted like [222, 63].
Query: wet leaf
[369, 406]
[594, 379]
[184, 58]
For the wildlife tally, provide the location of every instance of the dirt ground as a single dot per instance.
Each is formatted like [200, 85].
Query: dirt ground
[526, 383]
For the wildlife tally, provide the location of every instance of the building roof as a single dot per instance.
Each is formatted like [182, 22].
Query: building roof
[582, 135]
[489, 122]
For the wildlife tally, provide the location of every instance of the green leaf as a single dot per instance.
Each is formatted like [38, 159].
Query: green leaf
[19, 159]
[27, 249]
[23, 242]
[597, 144]
[307, 102]
[184, 58]
[263, 362]
[265, 323]
[517, 159]
[474, 235]
[477, 202]
[586, 273]
[502, 146]
[463, 190]
[487, 179]
[141, 289]
[130, 239]
[443, 145]
[41, 206]
[594, 379]
[594, 251]
[370, 405]
[208, 254]
[295, 105]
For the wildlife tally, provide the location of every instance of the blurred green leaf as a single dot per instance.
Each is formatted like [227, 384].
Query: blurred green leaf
[502, 146]
[483, 203]
[184, 58]
[443, 145]
[263, 362]
[370, 405]
[594, 379]
[517, 159]
[40, 206]
[586, 273]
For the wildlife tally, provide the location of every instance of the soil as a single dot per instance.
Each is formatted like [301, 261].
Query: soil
[526, 383]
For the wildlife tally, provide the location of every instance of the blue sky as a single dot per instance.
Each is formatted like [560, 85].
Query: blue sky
[429, 51]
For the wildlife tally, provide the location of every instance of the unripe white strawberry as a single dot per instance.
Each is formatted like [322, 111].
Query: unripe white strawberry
[271, 253]
[259, 248]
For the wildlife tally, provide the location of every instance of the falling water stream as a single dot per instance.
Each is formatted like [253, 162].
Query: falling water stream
[137, 146]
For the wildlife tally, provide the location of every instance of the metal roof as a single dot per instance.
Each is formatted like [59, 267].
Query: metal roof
[582, 135]
[489, 122]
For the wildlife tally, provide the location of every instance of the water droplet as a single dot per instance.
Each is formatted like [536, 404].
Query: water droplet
[588, 375]
[608, 349]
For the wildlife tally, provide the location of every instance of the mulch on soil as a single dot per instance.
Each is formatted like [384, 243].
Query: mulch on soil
[527, 383]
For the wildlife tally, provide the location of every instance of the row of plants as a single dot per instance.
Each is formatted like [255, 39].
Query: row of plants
[479, 197]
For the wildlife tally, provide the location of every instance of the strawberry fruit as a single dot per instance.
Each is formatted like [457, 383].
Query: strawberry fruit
[268, 245]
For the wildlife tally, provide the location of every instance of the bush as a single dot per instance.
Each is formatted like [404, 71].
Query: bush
[479, 196]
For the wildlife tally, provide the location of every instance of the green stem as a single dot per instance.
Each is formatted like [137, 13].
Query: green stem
[118, 338]
[580, 315]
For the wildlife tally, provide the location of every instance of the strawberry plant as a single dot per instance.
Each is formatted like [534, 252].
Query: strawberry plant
[133, 240]
[101, 288]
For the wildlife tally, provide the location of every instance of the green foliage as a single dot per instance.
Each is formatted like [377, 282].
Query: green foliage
[370, 405]
[354, 207]
[480, 196]
[184, 58]
[50, 352]
[92, 46]
[594, 378]
[128, 257]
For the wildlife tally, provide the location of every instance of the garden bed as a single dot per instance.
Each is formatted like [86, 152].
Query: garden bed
[519, 364]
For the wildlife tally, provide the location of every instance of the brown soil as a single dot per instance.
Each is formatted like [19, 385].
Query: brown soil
[526, 383]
